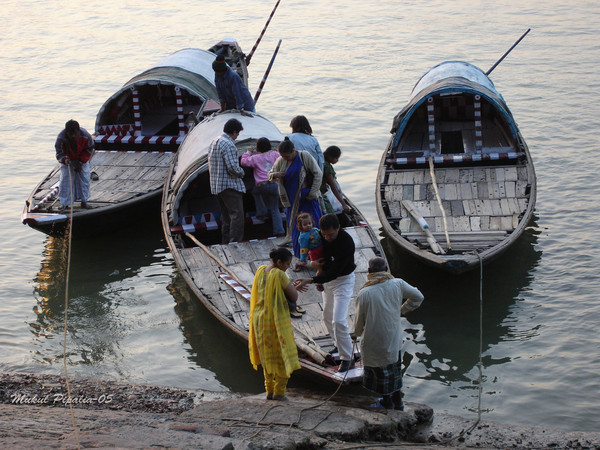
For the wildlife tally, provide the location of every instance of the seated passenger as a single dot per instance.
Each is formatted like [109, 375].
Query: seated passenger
[265, 192]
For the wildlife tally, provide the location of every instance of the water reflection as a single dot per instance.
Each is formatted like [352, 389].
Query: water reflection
[443, 343]
[101, 271]
[211, 345]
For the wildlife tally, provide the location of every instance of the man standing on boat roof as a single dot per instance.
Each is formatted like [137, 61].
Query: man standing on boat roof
[233, 93]
[226, 181]
[379, 307]
[337, 277]
[74, 147]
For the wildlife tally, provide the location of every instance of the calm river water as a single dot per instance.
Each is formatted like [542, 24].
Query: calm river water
[349, 67]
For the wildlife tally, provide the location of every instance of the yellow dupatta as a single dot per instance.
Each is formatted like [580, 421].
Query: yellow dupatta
[271, 337]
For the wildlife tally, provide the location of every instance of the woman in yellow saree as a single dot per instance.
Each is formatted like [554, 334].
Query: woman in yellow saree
[271, 336]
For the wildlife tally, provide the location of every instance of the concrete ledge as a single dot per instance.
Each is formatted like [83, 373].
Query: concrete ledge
[150, 416]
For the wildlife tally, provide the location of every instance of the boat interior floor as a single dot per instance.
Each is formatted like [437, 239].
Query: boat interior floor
[121, 176]
[244, 258]
[482, 204]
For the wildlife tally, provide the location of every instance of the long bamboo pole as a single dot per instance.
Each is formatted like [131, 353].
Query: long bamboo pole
[508, 51]
[435, 247]
[262, 83]
[439, 200]
[249, 56]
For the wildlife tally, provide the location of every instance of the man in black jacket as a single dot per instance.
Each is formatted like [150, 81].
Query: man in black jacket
[337, 277]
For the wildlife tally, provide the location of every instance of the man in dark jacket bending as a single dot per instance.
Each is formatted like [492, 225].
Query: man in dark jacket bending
[337, 277]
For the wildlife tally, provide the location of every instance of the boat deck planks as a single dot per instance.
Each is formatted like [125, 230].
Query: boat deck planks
[474, 199]
[244, 258]
[121, 176]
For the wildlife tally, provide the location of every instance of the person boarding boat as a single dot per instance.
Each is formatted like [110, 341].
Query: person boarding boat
[304, 140]
[377, 321]
[299, 180]
[226, 181]
[337, 276]
[271, 335]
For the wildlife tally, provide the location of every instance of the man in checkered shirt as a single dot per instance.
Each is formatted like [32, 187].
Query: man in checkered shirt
[226, 181]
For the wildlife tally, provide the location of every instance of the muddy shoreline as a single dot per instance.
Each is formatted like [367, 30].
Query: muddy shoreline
[34, 412]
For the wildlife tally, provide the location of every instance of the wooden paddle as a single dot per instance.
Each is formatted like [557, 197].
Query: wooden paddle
[424, 226]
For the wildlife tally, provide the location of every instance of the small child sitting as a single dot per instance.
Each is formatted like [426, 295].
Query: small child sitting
[310, 242]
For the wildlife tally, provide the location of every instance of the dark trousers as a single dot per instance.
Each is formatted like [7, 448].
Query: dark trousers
[232, 215]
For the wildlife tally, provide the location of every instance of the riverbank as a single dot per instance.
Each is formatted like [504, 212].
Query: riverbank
[34, 413]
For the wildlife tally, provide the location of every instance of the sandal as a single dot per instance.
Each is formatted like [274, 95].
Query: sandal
[379, 405]
[300, 309]
[295, 315]
[298, 268]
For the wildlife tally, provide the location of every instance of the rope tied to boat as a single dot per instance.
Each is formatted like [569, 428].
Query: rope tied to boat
[297, 421]
[480, 363]
[65, 320]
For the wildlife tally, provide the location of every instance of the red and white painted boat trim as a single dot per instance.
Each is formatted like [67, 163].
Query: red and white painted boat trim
[113, 138]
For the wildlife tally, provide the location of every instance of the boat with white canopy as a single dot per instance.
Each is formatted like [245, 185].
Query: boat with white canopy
[221, 275]
[137, 131]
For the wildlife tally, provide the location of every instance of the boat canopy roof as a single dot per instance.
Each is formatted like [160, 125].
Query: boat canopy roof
[189, 69]
[447, 78]
[194, 149]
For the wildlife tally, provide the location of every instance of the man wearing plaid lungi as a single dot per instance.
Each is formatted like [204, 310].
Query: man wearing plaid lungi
[377, 322]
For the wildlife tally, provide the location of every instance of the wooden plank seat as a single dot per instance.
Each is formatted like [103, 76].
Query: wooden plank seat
[460, 241]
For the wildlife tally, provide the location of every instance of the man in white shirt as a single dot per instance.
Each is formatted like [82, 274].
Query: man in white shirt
[379, 307]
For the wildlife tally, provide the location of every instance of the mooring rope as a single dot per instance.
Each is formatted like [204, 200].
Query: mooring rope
[413, 444]
[480, 363]
[297, 421]
[70, 234]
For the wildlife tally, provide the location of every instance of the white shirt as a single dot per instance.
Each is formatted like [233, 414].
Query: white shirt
[377, 320]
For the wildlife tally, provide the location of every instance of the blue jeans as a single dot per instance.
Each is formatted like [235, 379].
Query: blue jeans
[269, 194]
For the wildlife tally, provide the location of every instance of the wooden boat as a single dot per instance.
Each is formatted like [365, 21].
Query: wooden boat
[137, 131]
[221, 276]
[456, 184]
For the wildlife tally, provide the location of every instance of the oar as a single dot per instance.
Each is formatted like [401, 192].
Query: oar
[249, 57]
[508, 51]
[262, 83]
[435, 247]
[439, 200]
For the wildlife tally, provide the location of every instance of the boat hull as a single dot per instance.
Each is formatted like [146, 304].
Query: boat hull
[205, 264]
[137, 132]
[89, 222]
[456, 185]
